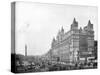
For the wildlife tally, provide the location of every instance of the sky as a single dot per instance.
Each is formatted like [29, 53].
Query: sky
[37, 24]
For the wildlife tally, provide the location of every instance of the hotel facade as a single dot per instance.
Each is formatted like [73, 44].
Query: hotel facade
[73, 46]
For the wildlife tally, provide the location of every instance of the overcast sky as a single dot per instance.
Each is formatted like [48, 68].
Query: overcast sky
[37, 24]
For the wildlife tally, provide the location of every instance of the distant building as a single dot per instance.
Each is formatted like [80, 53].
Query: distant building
[73, 46]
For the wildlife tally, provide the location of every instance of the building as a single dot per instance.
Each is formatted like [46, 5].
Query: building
[73, 46]
[95, 49]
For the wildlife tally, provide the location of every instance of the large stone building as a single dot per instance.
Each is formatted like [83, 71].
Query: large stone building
[73, 46]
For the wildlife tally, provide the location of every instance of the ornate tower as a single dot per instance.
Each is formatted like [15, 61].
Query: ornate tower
[87, 41]
[60, 35]
[74, 47]
[90, 26]
[62, 30]
[74, 25]
[90, 38]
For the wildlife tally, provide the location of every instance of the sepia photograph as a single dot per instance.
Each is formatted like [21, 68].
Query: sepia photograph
[53, 37]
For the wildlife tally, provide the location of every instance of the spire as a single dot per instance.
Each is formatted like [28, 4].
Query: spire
[74, 21]
[58, 32]
[89, 22]
[62, 29]
[74, 25]
[90, 25]
[80, 28]
[54, 40]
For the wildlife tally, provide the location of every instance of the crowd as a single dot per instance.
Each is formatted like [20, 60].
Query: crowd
[42, 66]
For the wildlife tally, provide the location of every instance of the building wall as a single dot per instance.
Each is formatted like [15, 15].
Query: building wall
[75, 44]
